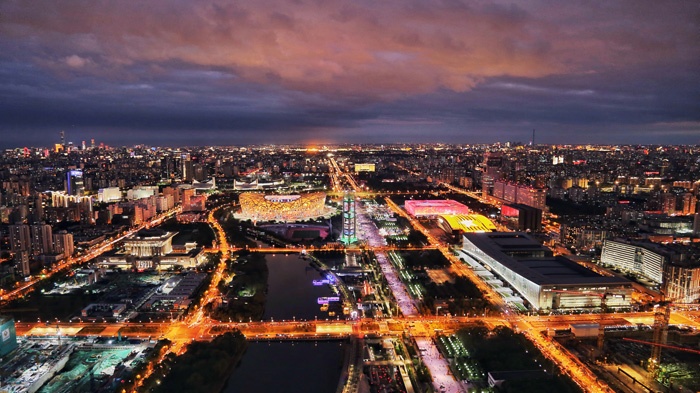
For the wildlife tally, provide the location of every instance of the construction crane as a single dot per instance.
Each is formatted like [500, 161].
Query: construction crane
[662, 315]
[684, 349]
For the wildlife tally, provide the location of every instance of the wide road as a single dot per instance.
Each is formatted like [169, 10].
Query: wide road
[424, 326]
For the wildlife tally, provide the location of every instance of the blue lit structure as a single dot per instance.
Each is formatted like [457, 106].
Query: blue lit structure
[74, 182]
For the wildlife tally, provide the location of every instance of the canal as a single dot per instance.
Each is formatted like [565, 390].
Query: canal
[290, 291]
[305, 366]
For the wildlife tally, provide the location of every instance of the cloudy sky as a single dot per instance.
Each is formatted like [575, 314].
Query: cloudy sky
[321, 71]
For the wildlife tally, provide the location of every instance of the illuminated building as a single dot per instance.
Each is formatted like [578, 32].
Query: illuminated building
[109, 194]
[62, 199]
[528, 218]
[20, 238]
[364, 167]
[187, 167]
[74, 182]
[434, 207]
[675, 267]
[458, 224]
[645, 260]
[283, 208]
[151, 249]
[349, 234]
[545, 281]
[42, 239]
[8, 336]
[149, 243]
[682, 282]
[510, 192]
[63, 243]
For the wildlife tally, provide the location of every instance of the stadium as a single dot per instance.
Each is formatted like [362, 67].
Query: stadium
[282, 208]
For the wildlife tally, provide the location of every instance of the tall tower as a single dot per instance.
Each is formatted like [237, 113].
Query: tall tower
[349, 236]
[187, 167]
[63, 139]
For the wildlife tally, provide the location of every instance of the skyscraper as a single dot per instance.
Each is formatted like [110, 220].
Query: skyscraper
[74, 182]
[187, 168]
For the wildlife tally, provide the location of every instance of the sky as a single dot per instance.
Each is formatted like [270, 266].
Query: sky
[192, 73]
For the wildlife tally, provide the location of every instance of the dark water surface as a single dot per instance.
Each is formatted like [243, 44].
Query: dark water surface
[274, 367]
[290, 292]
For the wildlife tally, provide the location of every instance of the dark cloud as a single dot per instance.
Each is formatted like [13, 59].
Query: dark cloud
[390, 71]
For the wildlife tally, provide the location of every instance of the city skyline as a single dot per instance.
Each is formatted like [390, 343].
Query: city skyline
[210, 73]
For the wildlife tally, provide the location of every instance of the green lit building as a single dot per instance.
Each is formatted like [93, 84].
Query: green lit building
[8, 336]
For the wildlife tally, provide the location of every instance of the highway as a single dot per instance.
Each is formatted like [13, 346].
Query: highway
[418, 326]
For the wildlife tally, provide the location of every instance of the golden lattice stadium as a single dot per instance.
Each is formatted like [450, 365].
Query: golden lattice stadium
[284, 208]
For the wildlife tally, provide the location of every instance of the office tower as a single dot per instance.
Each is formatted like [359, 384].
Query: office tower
[187, 168]
[166, 168]
[74, 182]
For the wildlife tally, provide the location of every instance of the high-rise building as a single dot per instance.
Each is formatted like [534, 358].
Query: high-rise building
[187, 168]
[22, 262]
[63, 243]
[349, 234]
[74, 182]
[682, 282]
[42, 239]
[668, 203]
[688, 203]
[528, 218]
[38, 208]
[166, 168]
[20, 238]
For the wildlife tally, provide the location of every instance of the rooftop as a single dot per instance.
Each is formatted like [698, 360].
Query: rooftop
[469, 222]
[528, 258]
